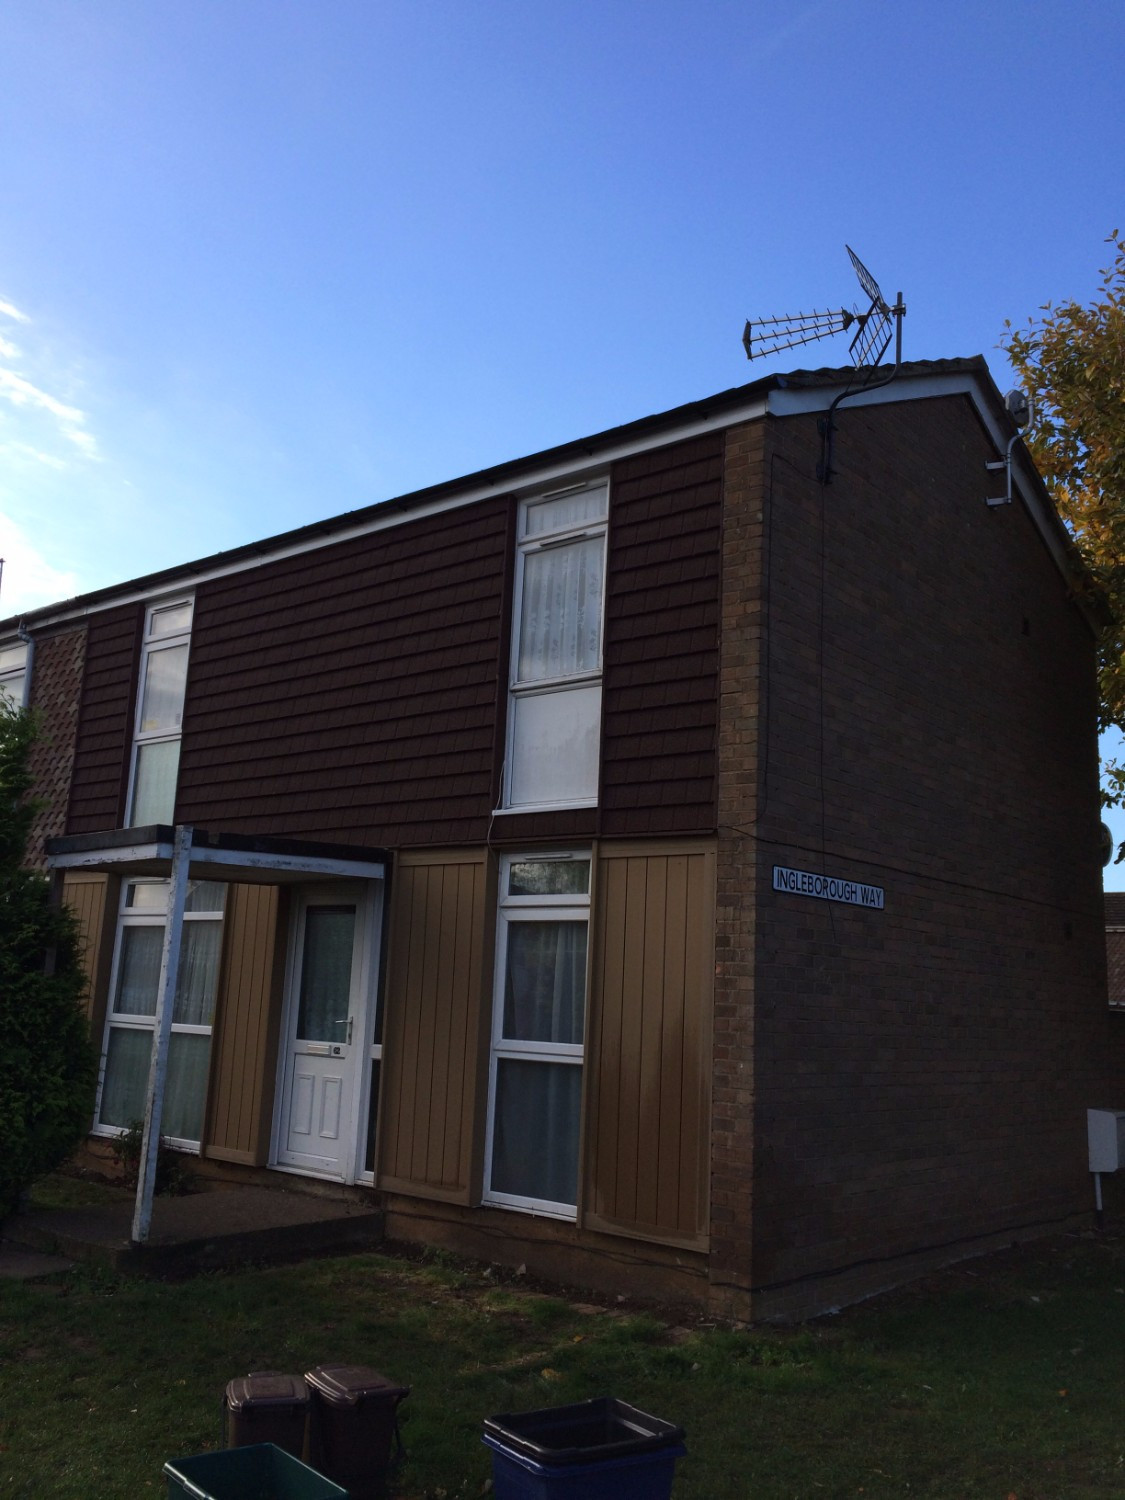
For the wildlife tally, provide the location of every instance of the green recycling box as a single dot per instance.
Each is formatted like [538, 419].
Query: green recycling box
[259, 1471]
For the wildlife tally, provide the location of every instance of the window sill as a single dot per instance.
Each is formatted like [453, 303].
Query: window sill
[560, 1213]
[541, 807]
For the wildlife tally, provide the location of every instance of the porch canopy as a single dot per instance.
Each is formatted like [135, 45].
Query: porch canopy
[239, 858]
[180, 855]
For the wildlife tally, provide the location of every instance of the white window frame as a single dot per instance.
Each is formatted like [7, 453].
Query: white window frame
[510, 909]
[142, 916]
[523, 691]
[12, 673]
[151, 644]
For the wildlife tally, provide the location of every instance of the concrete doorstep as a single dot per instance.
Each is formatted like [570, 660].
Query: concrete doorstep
[197, 1232]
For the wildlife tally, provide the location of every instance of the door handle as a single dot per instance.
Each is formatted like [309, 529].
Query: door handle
[348, 1034]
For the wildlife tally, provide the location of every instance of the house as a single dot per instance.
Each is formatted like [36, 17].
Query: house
[640, 861]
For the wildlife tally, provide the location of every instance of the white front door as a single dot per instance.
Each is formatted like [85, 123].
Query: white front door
[328, 1016]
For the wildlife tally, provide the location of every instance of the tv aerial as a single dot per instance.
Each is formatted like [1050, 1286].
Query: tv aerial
[874, 330]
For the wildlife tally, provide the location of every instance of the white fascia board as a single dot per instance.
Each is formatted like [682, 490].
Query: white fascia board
[233, 859]
[291, 864]
[792, 401]
[541, 477]
[99, 858]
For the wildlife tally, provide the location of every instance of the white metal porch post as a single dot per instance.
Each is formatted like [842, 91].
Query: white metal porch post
[162, 1031]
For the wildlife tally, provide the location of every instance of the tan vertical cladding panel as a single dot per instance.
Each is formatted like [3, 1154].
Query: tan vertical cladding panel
[432, 1062]
[86, 895]
[244, 1039]
[650, 1043]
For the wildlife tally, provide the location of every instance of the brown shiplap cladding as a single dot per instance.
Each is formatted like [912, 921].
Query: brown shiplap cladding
[105, 721]
[350, 693]
[648, 1133]
[247, 1015]
[661, 641]
[440, 926]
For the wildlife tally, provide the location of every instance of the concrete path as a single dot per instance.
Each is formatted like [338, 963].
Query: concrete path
[18, 1263]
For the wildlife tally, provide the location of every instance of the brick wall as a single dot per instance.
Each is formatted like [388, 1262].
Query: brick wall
[1115, 946]
[921, 1074]
[56, 680]
[739, 745]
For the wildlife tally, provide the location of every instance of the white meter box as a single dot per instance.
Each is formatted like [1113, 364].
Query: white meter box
[1105, 1130]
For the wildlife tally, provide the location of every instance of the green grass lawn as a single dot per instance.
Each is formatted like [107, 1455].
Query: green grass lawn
[1004, 1377]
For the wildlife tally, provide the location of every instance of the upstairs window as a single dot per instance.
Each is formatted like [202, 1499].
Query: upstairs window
[160, 713]
[13, 673]
[555, 686]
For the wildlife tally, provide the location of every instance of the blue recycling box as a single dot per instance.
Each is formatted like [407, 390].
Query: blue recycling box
[594, 1450]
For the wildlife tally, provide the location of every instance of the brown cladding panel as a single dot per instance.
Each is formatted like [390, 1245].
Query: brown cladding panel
[350, 693]
[244, 1039]
[661, 641]
[432, 1066]
[105, 721]
[86, 895]
[648, 1137]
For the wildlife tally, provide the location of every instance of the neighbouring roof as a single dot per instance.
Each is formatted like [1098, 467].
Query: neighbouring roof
[777, 393]
[1115, 908]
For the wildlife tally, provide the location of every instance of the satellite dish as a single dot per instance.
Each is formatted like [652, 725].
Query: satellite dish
[1020, 408]
[1106, 841]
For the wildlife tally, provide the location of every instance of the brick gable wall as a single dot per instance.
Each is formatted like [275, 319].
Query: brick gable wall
[920, 1074]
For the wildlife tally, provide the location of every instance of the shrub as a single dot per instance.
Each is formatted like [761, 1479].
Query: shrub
[47, 1068]
[174, 1177]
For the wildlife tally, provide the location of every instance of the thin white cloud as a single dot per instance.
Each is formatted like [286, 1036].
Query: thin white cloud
[9, 311]
[30, 578]
[8, 350]
[84, 441]
[20, 392]
[15, 451]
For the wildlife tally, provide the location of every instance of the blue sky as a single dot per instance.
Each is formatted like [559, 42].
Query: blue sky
[264, 261]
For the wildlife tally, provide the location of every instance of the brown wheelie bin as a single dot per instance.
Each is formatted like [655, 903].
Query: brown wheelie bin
[353, 1426]
[267, 1407]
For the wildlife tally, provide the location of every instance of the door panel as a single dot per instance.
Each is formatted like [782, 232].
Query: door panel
[324, 1038]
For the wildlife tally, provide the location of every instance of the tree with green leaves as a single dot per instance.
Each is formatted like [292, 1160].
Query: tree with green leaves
[47, 1068]
[1071, 361]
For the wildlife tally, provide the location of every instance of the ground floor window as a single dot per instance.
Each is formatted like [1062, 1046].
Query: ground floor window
[539, 1017]
[131, 1013]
